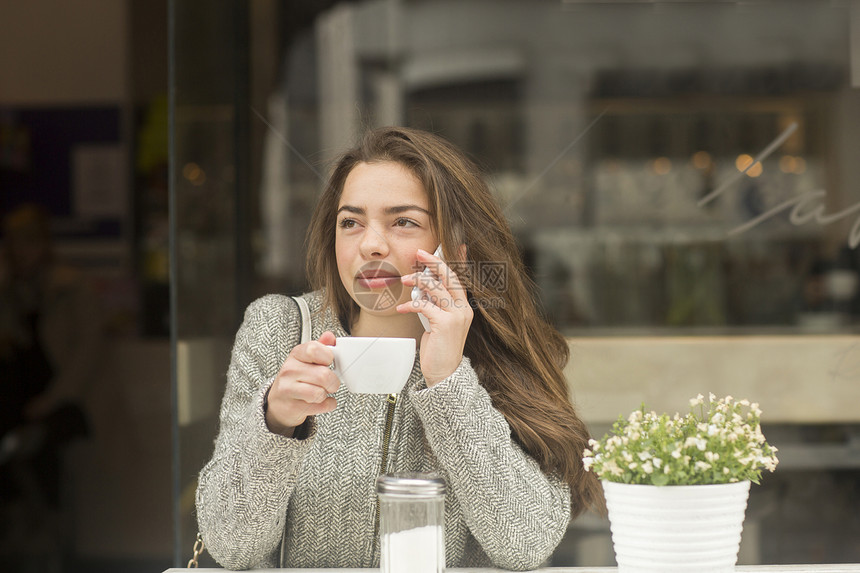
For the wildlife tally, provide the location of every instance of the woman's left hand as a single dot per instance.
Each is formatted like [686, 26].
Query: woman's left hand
[448, 312]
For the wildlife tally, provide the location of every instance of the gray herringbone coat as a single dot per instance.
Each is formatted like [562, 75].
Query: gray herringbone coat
[501, 510]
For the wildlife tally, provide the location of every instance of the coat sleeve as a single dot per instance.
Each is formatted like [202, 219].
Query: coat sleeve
[243, 491]
[516, 512]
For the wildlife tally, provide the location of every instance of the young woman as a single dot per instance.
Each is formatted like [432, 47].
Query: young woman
[291, 481]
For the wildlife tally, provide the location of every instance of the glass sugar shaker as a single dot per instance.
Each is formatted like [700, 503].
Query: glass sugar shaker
[411, 522]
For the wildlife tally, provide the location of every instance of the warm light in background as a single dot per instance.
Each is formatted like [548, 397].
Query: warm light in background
[787, 164]
[744, 160]
[701, 160]
[800, 165]
[661, 165]
[792, 164]
[193, 173]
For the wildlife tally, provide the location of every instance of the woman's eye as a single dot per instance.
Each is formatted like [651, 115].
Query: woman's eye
[404, 222]
[346, 223]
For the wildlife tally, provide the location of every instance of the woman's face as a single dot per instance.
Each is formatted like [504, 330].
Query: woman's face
[383, 218]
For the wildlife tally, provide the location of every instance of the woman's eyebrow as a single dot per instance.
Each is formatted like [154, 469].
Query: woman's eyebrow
[394, 210]
[403, 208]
[351, 209]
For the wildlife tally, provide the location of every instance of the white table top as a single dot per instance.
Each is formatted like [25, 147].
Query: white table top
[834, 568]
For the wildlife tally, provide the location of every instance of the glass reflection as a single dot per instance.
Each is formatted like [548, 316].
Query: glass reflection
[603, 134]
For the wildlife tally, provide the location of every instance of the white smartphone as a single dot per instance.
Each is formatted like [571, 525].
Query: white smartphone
[416, 292]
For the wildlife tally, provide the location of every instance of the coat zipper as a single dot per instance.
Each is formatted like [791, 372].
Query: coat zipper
[386, 438]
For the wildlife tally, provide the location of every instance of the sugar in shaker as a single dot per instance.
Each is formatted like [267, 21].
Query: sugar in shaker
[411, 522]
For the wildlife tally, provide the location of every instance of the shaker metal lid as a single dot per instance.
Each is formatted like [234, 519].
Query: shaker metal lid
[411, 484]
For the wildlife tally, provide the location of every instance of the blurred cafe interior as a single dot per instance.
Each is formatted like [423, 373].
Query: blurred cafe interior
[683, 178]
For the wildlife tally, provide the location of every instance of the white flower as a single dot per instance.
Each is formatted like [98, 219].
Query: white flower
[727, 432]
[612, 467]
[768, 462]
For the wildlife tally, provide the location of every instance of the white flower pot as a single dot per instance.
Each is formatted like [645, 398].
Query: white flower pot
[662, 529]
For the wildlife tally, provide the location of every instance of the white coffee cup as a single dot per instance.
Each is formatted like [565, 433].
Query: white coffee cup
[373, 365]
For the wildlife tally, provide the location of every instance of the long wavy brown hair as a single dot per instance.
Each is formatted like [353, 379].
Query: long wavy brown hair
[516, 354]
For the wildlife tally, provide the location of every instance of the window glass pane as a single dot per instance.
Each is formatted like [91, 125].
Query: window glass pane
[675, 172]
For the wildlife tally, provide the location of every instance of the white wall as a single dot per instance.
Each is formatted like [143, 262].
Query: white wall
[56, 52]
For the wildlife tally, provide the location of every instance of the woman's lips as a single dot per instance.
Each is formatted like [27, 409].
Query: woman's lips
[377, 286]
[376, 281]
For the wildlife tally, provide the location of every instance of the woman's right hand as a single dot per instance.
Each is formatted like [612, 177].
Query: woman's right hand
[302, 386]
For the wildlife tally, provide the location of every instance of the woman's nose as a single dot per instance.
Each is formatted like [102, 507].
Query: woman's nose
[374, 244]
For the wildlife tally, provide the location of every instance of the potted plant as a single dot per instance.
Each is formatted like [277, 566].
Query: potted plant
[677, 486]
